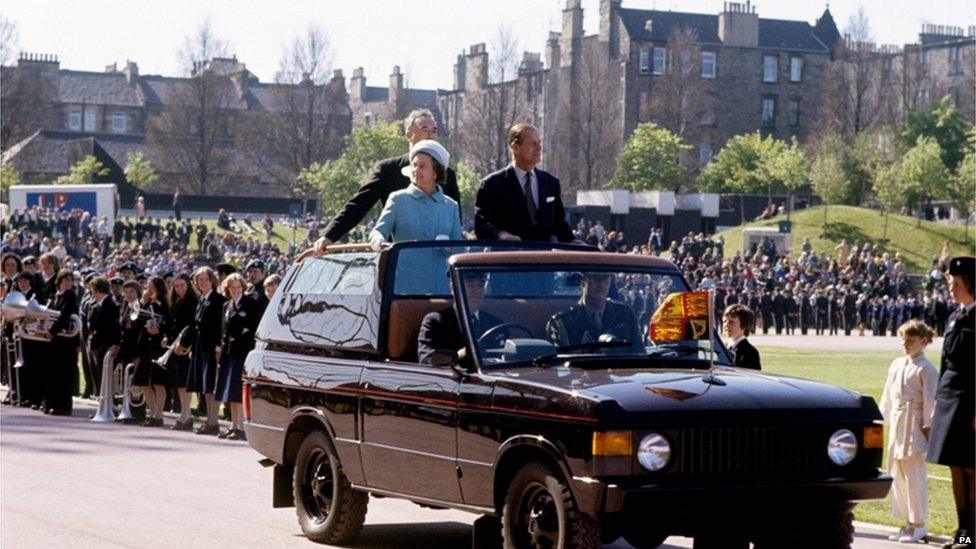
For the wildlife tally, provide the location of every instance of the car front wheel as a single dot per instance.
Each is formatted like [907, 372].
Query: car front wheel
[329, 510]
[539, 512]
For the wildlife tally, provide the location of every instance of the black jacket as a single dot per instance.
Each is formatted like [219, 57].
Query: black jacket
[500, 206]
[746, 356]
[240, 322]
[385, 179]
[103, 326]
[951, 441]
[67, 305]
[208, 319]
[441, 331]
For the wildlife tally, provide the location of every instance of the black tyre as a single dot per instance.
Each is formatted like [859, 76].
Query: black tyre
[540, 512]
[644, 539]
[329, 510]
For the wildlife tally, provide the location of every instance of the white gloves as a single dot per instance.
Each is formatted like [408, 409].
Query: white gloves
[377, 241]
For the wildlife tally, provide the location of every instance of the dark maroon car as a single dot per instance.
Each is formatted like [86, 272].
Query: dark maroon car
[561, 428]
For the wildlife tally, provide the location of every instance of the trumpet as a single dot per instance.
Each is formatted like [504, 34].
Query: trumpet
[136, 312]
[164, 359]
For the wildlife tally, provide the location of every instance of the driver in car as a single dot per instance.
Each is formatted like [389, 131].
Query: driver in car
[594, 316]
[441, 331]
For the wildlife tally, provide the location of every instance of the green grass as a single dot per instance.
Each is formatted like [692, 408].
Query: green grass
[917, 245]
[281, 235]
[865, 372]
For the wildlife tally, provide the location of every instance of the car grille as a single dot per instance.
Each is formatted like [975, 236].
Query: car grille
[746, 450]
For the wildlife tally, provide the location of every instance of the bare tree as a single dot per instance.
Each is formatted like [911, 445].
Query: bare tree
[596, 121]
[8, 40]
[504, 54]
[679, 98]
[303, 122]
[194, 132]
[485, 118]
[852, 90]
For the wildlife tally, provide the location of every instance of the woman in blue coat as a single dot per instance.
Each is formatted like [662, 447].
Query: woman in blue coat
[953, 435]
[240, 321]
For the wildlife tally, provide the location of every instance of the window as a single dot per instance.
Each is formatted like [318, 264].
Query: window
[118, 123]
[770, 68]
[704, 153]
[708, 116]
[794, 113]
[923, 57]
[796, 69]
[768, 111]
[708, 64]
[368, 119]
[886, 74]
[923, 97]
[645, 60]
[74, 120]
[90, 120]
[660, 60]
[955, 60]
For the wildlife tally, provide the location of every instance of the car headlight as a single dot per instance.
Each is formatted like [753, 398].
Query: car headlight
[654, 452]
[842, 447]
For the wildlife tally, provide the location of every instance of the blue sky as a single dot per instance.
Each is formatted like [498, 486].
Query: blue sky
[422, 36]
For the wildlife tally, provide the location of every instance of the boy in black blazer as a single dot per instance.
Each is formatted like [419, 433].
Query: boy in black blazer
[737, 323]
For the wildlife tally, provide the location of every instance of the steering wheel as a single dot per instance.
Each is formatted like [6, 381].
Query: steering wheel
[503, 327]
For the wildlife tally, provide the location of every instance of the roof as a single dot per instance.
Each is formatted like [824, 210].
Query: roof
[560, 257]
[163, 90]
[773, 33]
[98, 88]
[53, 152]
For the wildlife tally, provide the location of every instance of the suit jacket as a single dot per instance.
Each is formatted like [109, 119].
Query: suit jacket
[951, 441]
[500, 206]
[103, 325]
[744, 355]
[239, 324]
[441, 331]
[385, 179]
[66, 304]
[208, 319]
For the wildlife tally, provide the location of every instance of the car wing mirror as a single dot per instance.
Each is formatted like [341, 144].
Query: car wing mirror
[444, 359]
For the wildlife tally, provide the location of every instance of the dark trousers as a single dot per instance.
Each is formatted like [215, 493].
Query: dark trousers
[779, 323]
[821, 323]
[31, 376]
[964, 492]
[61, 374]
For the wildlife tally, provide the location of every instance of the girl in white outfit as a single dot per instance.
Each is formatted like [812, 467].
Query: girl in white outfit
[907, 404]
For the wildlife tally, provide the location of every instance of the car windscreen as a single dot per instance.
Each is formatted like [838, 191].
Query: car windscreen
[544, 314]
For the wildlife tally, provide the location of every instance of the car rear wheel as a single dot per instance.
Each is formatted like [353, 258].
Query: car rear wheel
[329, 510]
[539, 512]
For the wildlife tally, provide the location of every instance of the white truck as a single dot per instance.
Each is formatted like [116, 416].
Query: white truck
[98, 199]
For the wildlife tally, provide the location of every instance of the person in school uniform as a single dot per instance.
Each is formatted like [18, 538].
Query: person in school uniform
[240, 320]
[737, 323]
[201, 377]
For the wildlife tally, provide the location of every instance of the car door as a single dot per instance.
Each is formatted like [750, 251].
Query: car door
[409, 437]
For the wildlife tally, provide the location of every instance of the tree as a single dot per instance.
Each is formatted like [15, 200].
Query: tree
[335, 181]
[788, 166]
[941, 122]
[924, 175]
[468, 181]
[852, 84]
[9, 176]
[193, 134]
[8, 40]
[679, 98]
[139, 171]
[303, 122]
[504, 54]
[83, 171]
[650, 160]
[889, 190]
[963, 187]
[828, 179]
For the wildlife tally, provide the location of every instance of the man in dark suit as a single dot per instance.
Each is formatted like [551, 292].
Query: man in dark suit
[255, 285]
[104, 330]
[387, 177]
[952, 437]
[520, 201]
[62, 368]
[737, 322]
[441, 331]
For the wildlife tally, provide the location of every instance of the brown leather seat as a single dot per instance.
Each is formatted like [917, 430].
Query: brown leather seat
[406, 316]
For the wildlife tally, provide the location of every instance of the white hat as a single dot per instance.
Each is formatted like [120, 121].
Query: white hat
[431, 148]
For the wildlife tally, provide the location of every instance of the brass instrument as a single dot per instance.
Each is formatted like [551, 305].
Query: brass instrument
[34, 321]
[164, 359]
[106, 410]
[136, 312]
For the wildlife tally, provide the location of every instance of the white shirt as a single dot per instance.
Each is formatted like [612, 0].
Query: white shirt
[736, 341]
[520, 175]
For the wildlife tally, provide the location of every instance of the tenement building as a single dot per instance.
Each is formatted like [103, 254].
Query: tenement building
[706, 77]
[371, 104]
[217, 131]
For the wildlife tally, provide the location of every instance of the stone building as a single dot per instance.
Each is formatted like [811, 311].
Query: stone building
[370, 104]
[707, 77]
[47, 109]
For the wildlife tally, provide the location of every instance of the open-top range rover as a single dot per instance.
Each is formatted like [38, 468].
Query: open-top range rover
[562, 427]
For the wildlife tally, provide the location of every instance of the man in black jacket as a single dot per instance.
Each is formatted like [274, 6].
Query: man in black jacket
[520, 201]
[441, 331]
[104, 330]
[386, 178]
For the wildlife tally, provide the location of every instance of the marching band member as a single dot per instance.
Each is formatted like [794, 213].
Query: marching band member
[10, 266]
[240, 321]
[103, 326]
[202, 375]
[183, 306]
[131, 329]
[88, 365]
[35, 353]
[149, 375]
[62, 368]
